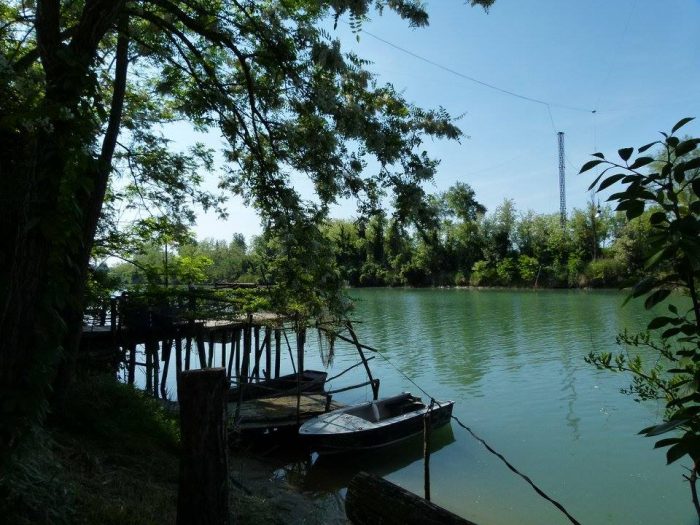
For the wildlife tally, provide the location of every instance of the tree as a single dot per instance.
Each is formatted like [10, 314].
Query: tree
[672, 188]
[84, 88]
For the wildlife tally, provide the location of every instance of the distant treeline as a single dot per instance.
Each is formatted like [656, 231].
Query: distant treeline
[460, 245]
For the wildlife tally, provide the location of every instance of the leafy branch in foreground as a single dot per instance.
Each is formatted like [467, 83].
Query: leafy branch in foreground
[670, 186]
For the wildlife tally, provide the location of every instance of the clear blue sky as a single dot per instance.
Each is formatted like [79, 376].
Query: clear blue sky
[636, 62]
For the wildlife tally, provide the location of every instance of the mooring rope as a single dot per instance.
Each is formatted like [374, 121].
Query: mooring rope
[500, 456]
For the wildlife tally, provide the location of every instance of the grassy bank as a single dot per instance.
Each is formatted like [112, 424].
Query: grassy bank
[111, 457]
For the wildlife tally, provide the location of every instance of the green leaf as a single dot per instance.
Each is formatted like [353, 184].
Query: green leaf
[696, 187]
[643, 286]
[692, 164]
[610, 181]
[657, 430]
[647, 146]
[590, 164]
[657, 217]
[625, 153]
[594, 182]
[641, 161]
[686, 147]
[676, 452]
[656, 297]
[635, 210]
[654, 259]
[599, 155]
[658, 322]
[670, 333]
[672, 308]
[666, 442]
[682, 122]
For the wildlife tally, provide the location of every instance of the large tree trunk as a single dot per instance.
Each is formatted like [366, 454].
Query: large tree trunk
[51, 190]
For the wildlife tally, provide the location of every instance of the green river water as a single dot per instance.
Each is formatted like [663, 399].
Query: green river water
[513, 363]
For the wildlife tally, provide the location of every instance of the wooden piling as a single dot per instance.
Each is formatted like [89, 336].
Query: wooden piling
[268, 352]
[278, 351]
[231, 356]
[200, 345]
[178, 355]
[223, 349]
[166, 351]
[246, 352]
[210, 360]
[149, 366]
[203, 490]
[256, 367]
[188, 349]
[237, 338]
[131, 370]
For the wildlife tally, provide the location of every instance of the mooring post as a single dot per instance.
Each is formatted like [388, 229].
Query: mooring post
[203, 490]
[426, 452]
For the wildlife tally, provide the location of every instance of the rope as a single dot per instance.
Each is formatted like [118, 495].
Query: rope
[538, 490]
[516, 471]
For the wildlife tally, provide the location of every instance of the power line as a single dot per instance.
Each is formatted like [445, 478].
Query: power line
[476, 80]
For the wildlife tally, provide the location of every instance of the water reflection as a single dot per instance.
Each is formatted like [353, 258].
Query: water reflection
[329, 474]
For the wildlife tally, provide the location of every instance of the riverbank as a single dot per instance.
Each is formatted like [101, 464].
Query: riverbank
[112, 457]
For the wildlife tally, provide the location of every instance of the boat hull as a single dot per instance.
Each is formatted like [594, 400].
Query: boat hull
[322, 436]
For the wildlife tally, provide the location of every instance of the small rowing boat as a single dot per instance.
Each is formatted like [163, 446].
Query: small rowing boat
[310, 381]
[372, 424]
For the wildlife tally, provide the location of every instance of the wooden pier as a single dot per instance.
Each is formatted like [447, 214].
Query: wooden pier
[162, 341]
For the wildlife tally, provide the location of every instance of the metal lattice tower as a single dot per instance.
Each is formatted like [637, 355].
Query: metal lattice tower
[562, 184]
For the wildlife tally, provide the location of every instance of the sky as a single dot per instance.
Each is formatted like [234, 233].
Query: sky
[635, 62]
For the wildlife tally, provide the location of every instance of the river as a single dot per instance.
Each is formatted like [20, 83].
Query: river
[513, 363]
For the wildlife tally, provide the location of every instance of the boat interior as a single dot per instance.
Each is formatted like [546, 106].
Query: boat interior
[377, 411]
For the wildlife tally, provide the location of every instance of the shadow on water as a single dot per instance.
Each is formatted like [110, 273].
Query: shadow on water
[330, 474]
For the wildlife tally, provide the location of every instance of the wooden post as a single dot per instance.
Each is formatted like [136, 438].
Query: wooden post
[178, 355]
[188, 348]
[246, 351]
[268, 352]
[156, 367]
[132, 363]
[231, 356]
[203, 491]
[167, 348]
[237, 339]
[210, 361]
[223, 349]
[200, 345]
[278, 351]
[375, 384]
[371, 499]
[256, 367]
[426, 453]
[301, 341]
[149, 366]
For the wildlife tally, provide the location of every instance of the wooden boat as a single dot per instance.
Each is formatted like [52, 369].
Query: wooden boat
[372, 424]
[311, 381]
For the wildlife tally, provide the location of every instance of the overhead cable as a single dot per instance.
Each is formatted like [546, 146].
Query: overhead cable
[476, 80]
